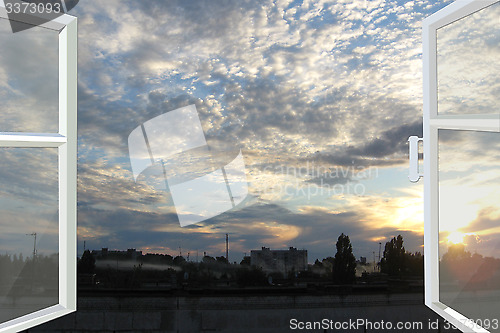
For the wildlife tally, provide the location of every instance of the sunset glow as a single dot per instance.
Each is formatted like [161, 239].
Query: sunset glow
[456, 238]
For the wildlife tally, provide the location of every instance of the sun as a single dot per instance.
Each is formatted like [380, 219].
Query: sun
[456, 237]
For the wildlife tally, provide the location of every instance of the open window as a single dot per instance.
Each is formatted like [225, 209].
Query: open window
[462, 164]
[38, 154]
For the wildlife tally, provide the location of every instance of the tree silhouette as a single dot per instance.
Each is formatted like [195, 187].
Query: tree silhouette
[86, 265]
[393, 262]
[456, 252]
[221, 260]
[208, 260]
[414, 263]
[246, 261]
[179, 261]
[251, 277]
[344, 265]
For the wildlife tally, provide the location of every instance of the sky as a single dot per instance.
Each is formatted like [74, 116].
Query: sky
[319, 97]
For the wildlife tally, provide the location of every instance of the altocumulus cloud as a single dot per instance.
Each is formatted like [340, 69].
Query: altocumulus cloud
[337, 82]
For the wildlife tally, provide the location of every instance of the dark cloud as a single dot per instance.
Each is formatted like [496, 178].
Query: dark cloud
[390, 142]
[389, 149]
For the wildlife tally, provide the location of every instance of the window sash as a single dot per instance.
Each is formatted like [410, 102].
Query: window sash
[66, 142]
[433, 122]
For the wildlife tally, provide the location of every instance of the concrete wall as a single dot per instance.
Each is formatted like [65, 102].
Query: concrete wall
[237, 314]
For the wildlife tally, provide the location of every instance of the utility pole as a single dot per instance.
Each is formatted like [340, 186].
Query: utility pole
[379, 258]
[227, 248]
[374, 261]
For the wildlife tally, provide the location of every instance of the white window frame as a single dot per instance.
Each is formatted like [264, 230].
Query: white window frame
[433, 122]
[66, 143]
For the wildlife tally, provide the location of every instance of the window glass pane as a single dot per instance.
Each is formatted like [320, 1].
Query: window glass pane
[29, 80]
[28, 206]
[469, 222]
[467, 62]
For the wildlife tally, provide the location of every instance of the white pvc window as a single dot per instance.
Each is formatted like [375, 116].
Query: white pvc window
[53, 151]
[462, 164]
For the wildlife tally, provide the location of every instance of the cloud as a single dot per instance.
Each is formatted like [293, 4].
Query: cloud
[29, 200]
[387, 150]
[486, 222]
[334, 82]
[391, 142]
[29, 79]
[468, 178]
[465, 83]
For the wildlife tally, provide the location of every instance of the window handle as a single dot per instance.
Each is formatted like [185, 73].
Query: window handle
[414, 174]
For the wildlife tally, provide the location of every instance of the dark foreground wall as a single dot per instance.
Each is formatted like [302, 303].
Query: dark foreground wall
[272, 313]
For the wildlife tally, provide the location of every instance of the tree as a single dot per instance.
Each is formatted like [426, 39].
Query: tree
[221, 260]
[318, 264]
[456, 252]
[415, 264]
[393, 262]
[208, 260]
[251, 277]
[246, 261]
[86, 265]
[179, 261]
[344, 265]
